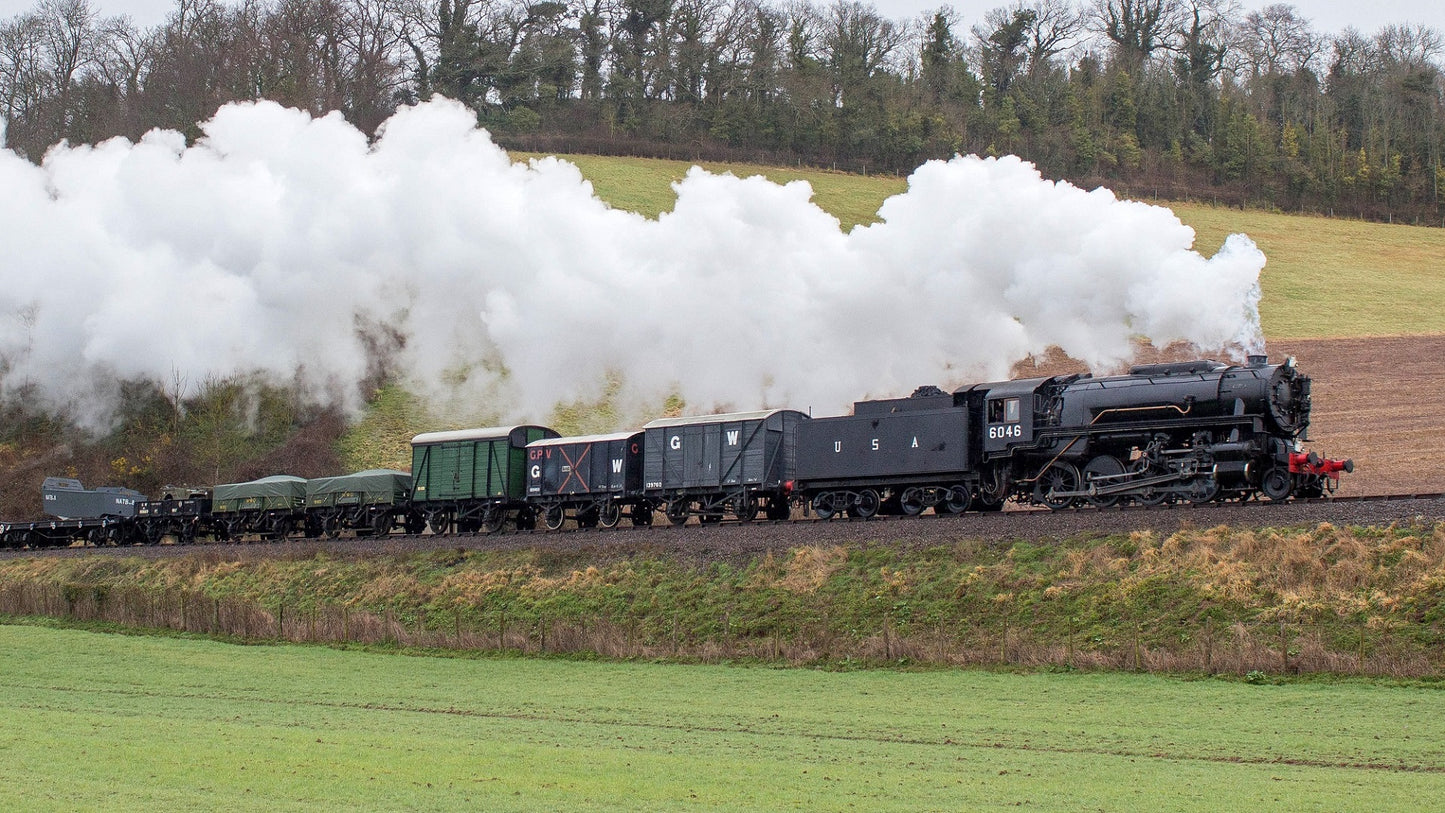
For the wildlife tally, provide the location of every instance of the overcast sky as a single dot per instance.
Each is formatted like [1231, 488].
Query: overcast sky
[1328, 16]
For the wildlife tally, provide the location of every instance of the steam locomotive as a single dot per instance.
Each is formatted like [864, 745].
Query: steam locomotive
[1196, 431]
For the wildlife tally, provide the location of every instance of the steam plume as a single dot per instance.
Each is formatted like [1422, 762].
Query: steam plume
[272, 241]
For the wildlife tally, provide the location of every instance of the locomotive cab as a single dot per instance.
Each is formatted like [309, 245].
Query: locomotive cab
[1009, 410]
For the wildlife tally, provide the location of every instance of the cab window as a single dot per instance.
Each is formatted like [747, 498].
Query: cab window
[1003, 410]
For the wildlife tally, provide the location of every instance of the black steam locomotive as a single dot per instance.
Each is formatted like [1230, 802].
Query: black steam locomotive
[1195, 431]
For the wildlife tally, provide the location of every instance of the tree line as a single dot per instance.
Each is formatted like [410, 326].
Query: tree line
[1180, 98]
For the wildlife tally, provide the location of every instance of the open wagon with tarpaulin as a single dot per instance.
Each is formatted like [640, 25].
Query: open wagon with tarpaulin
[271, 506]
[369, 502]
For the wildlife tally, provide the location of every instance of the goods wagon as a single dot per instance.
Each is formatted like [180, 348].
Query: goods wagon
[272, 506]
[368, 502]
[474, 479]
[594, 477]
[66, 498]
[708, 466]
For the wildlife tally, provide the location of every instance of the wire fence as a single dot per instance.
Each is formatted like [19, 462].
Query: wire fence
[1252, 649]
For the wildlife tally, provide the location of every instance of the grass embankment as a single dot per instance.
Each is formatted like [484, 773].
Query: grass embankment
[124, 723]
[1326, 278]
[1241, 601]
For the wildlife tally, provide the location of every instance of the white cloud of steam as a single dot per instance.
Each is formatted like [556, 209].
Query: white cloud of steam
[265, 244]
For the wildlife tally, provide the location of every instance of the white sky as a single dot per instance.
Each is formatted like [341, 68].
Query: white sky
[1328, 16]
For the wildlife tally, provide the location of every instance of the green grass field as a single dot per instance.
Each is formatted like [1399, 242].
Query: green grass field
[115, 722]
[1325, 277]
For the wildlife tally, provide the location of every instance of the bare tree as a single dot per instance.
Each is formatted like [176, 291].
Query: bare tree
[1136, 28]
[23, 74]
[1055, 29]
[858, 43]
[1276, 40]
[68, 38]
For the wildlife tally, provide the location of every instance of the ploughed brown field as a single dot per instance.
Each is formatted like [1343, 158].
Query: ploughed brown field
[1376, 401]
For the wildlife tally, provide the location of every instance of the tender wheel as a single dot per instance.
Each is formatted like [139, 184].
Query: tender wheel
[609, 515]
[553, 517]
[955, 501]
[866, 505]
[677, 512]
[1060, 477]
[823, 506]
[1277, 484]
[911, 502]
[1098, 468]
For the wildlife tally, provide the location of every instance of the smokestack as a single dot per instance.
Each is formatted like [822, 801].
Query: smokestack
[1258, 361]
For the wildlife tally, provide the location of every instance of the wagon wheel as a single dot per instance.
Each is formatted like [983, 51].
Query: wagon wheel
[748, 509]
[381, 525]
[440, 522]
[911, 502]
[493, 520]
[1103, 466]
[677, 512]
[282, 528]
[641, 515]
[609, 514]
[1276, 484]
[866, 505]
[1060, 477]
[956, 501]
[553, 517]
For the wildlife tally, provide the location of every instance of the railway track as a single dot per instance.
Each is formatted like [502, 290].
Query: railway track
[729, 539]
